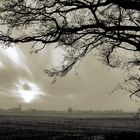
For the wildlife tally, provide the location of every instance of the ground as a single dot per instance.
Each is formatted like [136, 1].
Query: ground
[68, 127]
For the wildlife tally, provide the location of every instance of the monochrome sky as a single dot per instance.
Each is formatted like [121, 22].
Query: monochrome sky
[23, 81]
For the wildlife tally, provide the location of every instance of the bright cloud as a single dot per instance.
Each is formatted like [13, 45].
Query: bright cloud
[10, 52]
[15, 56]
[1, 65]
[57, 56]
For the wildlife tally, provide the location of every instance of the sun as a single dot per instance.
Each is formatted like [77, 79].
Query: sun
[28, 91]
[27, 96]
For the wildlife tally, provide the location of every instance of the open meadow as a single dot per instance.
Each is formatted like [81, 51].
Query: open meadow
[68, 127]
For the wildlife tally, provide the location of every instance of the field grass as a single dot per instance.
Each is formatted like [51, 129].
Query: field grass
[68, 127]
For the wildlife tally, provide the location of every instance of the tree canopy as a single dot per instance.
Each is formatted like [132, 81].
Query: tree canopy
[111, 28]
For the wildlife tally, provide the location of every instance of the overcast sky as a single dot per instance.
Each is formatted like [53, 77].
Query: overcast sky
[22, 81]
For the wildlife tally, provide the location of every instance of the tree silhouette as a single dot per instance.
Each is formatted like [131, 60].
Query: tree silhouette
[109, 27]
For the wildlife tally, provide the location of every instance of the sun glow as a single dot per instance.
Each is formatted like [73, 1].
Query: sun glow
[27, 96]
[28, 91]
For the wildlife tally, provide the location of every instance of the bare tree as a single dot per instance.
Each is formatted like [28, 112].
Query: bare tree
[109, 27]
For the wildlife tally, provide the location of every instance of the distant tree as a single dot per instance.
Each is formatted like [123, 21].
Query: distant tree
[137, 115]
[70, 110]
[110, 28]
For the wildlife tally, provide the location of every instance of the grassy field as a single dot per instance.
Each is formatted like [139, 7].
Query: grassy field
[68, 127]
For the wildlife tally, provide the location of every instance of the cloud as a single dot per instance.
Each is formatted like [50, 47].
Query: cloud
[57, 56]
